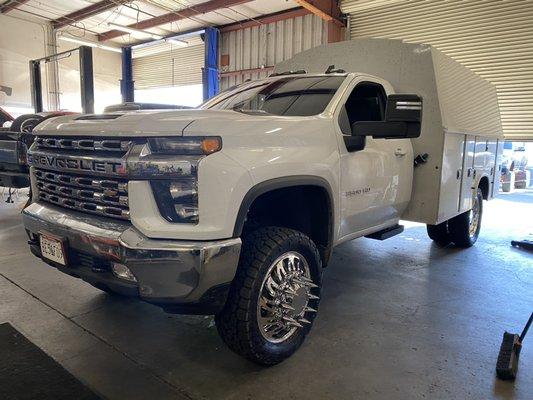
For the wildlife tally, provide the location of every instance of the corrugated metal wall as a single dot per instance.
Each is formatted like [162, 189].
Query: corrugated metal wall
[494, 38]
[267, 44]
[170, 66]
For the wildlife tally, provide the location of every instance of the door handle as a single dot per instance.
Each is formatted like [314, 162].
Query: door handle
[400, 152]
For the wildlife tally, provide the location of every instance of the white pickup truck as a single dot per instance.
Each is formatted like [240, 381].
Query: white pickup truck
[233, 209]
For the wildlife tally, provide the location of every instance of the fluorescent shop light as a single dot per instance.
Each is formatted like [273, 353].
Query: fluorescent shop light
[128, 29]
[89, 43]
[178, 42]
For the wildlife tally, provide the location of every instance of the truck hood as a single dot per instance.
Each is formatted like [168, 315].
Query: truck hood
[131, 123]
[165, 123]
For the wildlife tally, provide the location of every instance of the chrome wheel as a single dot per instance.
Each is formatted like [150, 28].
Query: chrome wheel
[473, 219]
[284, 297]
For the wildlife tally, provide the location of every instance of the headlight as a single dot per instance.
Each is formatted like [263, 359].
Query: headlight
[200, 145]
[177, 200]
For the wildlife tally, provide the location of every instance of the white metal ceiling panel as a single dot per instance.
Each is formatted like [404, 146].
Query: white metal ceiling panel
[130, 13]
[493, 38]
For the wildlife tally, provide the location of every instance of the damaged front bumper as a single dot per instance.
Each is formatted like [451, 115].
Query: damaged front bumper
[188, 277]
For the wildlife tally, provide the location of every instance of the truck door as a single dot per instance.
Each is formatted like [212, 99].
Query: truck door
[375, 181]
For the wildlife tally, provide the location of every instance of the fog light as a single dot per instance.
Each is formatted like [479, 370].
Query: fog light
[187, 213]
[123, 272]
[184, 191]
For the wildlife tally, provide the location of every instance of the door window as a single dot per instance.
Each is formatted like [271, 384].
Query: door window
[366, 103]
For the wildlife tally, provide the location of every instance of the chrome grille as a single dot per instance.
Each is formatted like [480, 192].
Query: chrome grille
[107, 197]
[44, 142]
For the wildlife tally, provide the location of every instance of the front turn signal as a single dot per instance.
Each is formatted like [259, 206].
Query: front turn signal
[211, 145]
[185, 145]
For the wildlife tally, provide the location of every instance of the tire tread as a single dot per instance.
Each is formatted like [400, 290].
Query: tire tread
[233, 323]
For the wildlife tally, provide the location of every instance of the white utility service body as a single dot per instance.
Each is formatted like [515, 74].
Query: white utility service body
[102, 186]
[461, 126]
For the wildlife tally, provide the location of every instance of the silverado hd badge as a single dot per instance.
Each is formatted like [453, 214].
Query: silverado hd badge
[356, 192]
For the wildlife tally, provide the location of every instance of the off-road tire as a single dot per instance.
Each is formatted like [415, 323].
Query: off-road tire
[439, 233]
[237, 323]
[459, 226]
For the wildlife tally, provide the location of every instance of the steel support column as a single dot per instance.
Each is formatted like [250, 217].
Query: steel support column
[126, 83]
[210, 71]
[35, 85]
[86, 79]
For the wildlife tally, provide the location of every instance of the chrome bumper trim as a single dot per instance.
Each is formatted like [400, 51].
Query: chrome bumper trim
[167, 271]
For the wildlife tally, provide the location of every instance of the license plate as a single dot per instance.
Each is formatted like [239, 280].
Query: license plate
[53, 249]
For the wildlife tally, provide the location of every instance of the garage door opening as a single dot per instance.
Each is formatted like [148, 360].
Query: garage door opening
[517, 168]
[187, 95]
[165, 73]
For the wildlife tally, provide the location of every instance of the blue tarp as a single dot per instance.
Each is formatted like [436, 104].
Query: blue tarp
[210, 72]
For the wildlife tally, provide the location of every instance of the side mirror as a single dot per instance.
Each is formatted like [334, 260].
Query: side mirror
[403, 117]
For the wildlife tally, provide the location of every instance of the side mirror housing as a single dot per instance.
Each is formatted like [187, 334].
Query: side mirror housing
[403, 117]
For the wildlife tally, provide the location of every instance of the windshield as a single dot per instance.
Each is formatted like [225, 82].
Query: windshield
[289, 96]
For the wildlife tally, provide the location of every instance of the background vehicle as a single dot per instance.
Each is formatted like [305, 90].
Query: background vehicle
[233, 209]
[5, 117]
[14, 142]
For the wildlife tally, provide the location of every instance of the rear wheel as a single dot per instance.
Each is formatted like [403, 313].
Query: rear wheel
[274, 297]
[439, 233]
[464, 228]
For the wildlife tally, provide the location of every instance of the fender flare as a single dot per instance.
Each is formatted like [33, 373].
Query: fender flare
[280, 183]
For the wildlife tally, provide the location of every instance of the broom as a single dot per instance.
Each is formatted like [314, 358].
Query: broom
[507, 365]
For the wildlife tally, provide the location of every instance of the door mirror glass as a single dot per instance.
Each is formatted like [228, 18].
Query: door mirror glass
[403, 117]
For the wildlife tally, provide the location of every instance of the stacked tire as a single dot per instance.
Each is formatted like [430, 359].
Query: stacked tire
[26, 123]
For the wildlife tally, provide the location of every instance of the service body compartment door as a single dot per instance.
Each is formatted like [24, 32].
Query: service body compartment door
[490, 167]
[452, 166]
[497, 168]
[467, 180]
[480, 156]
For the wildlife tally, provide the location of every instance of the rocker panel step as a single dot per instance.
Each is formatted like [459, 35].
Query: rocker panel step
[386, 233]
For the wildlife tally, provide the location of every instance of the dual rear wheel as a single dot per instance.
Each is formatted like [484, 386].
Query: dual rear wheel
[462, 230]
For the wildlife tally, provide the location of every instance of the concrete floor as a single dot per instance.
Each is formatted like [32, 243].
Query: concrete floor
[400, 319]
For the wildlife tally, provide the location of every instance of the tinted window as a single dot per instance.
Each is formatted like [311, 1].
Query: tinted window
[366, 103]
[289, 96]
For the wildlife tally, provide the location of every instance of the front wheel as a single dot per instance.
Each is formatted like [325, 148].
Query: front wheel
[274, 297]
[464, 228]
